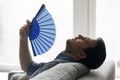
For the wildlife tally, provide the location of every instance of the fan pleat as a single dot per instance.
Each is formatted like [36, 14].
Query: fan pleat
[34, 51]
[46, 35]
[48, 22]
[50, 33]
[48, 41]
[44, 13]
[40, 46]
[51, 26]
[42, 40]
[39, 14]
[44, 19]
[48, 27]
[43, 47]
[40, 10]
[34, 47]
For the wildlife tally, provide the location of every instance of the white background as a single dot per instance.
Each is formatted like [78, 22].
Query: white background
[13, 14]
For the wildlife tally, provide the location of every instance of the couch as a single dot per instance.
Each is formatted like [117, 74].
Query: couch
[71, 71]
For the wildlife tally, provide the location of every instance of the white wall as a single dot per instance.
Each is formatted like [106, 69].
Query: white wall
[84, 17]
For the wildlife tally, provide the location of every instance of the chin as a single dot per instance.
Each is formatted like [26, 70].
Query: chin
[68, 46]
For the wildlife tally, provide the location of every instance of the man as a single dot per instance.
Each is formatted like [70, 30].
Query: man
[90, 52]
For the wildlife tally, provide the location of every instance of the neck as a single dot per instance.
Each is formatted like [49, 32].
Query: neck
[66, 52]
[73, 55]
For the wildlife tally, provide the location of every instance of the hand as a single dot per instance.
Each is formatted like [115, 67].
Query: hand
[24, 30]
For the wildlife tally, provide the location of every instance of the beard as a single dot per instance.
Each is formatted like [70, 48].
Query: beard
[68, 48]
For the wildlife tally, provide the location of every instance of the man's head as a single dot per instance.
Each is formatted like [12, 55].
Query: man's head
[90, 52]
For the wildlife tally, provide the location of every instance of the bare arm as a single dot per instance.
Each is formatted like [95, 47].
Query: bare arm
[24, 53]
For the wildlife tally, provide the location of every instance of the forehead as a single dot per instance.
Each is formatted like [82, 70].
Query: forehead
[90, 42]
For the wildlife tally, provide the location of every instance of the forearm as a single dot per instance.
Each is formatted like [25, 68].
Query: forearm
[24, 54]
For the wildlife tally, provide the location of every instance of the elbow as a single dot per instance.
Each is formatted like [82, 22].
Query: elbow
[24, 69]
[25, 65]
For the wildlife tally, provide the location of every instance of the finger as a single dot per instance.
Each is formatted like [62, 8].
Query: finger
[22, 29]
[28, 23]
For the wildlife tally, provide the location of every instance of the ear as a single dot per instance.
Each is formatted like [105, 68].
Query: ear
[81, 55]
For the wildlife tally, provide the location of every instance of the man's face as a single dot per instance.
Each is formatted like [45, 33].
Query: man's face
[79, 43]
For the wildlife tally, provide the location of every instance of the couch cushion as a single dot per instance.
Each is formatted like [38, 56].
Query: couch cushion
[17, 75]
[104, 72]
[63, 71]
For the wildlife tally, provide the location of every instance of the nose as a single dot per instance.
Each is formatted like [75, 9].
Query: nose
[80, 36]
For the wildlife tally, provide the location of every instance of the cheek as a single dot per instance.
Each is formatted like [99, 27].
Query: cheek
[77, 47]
[81, 46]
[91, 44]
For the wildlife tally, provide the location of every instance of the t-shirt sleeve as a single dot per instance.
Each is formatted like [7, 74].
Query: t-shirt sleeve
[33, 67]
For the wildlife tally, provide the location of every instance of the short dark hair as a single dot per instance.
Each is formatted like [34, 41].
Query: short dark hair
[95, 56]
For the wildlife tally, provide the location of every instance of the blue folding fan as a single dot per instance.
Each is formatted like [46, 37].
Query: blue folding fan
[42, 31]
